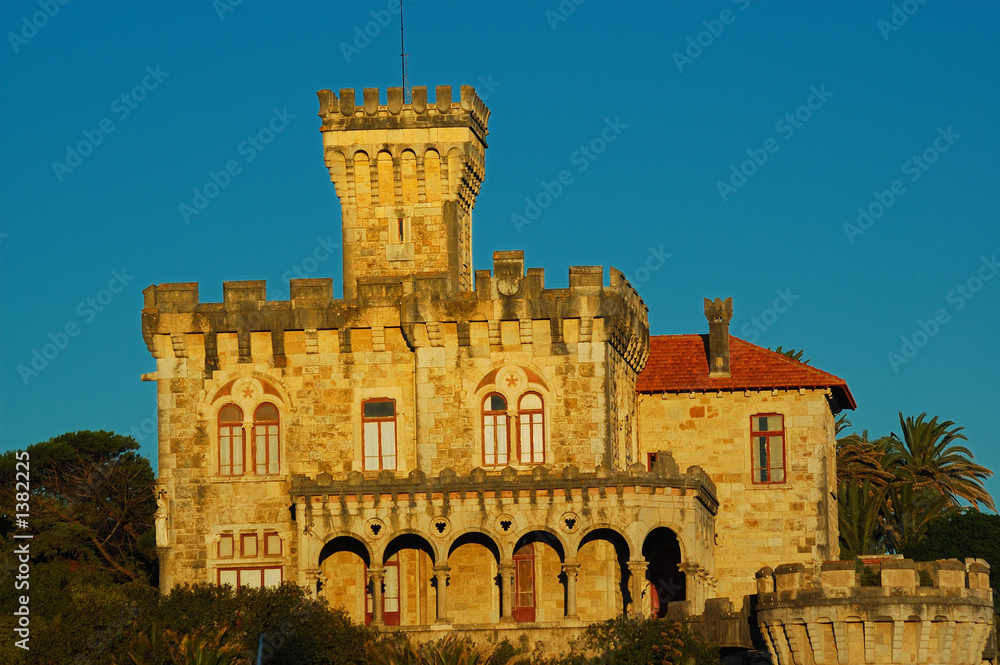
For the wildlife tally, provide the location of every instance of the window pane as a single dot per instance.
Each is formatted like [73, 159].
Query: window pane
[531, 401]
[371, 440]
[230, 414]
[237, 433]
[762, 452]
[536, 441]
[250, 578]
[388, 439]
[503, 445]
[272, 544]
[381, 409]
[225, 464]
[778, 476]
[226, 547]
[489, 441]
[272, 577]
[496, 403]
[266, 412]
[249, 544]
[261, 432]
[228, 577]
[777, 448]
[391, 598]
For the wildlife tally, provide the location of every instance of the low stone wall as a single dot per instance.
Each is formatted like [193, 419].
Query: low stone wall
[823, 616]
[549, 639]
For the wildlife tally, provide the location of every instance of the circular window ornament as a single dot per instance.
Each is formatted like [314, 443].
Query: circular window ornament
[375, 528]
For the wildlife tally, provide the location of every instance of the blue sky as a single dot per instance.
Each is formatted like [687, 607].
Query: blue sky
[746, 137]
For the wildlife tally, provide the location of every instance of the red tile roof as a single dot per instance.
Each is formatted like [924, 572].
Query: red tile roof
[679, 363]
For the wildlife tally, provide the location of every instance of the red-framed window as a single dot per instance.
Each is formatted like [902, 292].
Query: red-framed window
[248, 544]
[651, 459]
[226, 546]
[496, 431]
[524, 583]
[256, 576]
[266, 443]
[390, 594]
[378, 422]
[231, 440]
[767, 436]
[272, 544]
[531, 420]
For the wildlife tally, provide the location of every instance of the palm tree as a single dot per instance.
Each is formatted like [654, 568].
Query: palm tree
[859, 458]
[860, 513]
[927, 457]
[908, 513]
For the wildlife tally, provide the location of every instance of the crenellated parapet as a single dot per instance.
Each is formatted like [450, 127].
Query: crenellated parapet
[934, 613]
[510, 308]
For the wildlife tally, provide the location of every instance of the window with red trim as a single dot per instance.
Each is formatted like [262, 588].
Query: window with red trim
[531, 421]
[255, 577]
[265, 427]
[651, 459]
[231, 440]
[767, 436]
[248, 544]
[226, 548]
[496, 431]
[272, 544]
[378, 422]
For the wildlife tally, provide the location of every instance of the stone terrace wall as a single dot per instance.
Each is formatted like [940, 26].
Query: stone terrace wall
[822, 616]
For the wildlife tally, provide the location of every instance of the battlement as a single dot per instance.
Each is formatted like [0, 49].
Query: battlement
[342, 113]
[915, 612]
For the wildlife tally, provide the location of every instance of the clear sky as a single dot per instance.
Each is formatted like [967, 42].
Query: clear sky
[744, 136]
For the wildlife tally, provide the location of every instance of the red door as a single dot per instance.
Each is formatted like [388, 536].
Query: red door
[524, 583]
[390, 594]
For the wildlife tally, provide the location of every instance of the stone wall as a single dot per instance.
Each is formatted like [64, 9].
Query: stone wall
[795, 520]
[822, 615]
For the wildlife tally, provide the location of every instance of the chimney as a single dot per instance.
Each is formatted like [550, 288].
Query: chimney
[718, 313]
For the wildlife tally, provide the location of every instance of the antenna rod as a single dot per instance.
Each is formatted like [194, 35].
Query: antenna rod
[402, 48]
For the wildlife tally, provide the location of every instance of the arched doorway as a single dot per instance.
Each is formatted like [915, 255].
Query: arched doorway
[667, 583]
[344, 562]
[538, 593]
[409, 595]
[602, 582]
[473, 594]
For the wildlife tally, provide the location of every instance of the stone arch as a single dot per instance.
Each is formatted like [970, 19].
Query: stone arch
[602, 585]
[386, 178]
[343, 561]
[474, 580]
[662, 550]
[409, 179]
[433, 185]
[538, 556]
[362, 179]
[415, 558]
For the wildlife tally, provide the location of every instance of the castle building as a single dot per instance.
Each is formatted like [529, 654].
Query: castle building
[446, 448]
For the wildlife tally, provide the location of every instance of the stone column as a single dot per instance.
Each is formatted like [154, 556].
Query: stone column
[571, 570]
[441, 575]
[506, 570]
[376, 575]
[312, 575]
[692, 583]
[637, 580]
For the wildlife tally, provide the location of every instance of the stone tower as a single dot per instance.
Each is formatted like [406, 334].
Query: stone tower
[407, 176]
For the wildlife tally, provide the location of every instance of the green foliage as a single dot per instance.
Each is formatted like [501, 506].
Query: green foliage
[861, 517]
[625, 641]
[91, 502]
[969, 533]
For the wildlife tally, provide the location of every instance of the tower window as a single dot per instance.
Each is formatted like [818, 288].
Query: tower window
[231, 441]
[767, 438]
[496, 431]
[378, 418]
[265, 426]
[531, 419]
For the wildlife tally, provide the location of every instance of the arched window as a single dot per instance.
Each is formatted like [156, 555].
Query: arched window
[231, 441]
[531, 418]
[378, 419]
[496, 431]
[265, 429]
